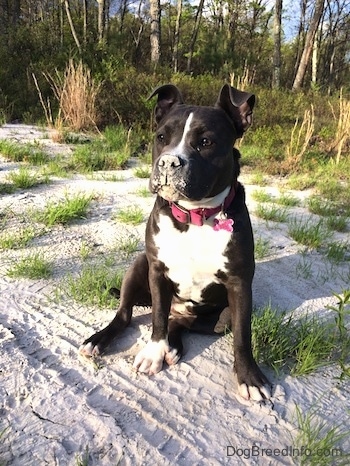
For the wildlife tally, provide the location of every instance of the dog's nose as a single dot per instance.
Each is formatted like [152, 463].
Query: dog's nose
[168, 161]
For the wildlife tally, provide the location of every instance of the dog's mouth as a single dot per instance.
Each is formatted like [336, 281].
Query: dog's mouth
[170, 193]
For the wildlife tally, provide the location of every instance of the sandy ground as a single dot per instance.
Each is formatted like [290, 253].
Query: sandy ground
[57, 408]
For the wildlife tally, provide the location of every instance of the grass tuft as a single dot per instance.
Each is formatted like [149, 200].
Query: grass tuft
[7, 188]
[142, 172]
[92, 286]
[65, 211]
[261, 196]
[17, 240]
[304, 345]
[271, 213]
[111, 151]
[34, 266]
[128, 244]
[316, 434]
[288, 200]
[305, 232]
[25, 179]
[29, 153]
[132, 215]
[261, 248]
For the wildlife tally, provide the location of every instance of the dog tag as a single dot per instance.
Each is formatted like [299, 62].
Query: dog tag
[223, 224]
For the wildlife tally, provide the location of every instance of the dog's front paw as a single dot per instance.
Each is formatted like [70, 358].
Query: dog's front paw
[253, 385]
[97, 343]
[150, 359]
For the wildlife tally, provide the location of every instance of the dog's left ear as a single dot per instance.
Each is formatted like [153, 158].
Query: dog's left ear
[168, 95]
[239, 107]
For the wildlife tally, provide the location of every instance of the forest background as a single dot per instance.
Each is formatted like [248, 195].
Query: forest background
[294, 55]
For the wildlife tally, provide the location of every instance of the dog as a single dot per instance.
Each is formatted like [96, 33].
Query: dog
[198, 265]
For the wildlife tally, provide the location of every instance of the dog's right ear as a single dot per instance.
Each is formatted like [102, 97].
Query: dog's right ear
[168, 95]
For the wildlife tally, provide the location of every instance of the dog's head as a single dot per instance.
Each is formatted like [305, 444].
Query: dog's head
[193, 154]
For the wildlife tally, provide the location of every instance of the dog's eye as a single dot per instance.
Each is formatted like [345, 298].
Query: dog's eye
[161, 138]
[203, 143]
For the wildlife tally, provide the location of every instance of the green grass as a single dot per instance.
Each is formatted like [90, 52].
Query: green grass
[301, 346]
[288, 200]
[29, 153]
[66, 210]
[132, 215]
[308, 233]
[18, 239]
[113, 178]
[272, 337]
[304, 268]
[337, 252]
[92, 285]
[58, 167]
[319, 439]
[142, 172]
[34, 266]
[301, 181]
[85, 251]
[87, 159]
[323, 207]
[128, 244]
[262, 196]
[83, 458]
[261, 248]
[7, 188]
[313, 347]
[25, 179]
[271, 213]
[337, 223]
[143, 192]
[111, 151]
[342, 311]
[259, 179]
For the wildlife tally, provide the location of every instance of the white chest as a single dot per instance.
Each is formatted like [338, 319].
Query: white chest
[192, 257]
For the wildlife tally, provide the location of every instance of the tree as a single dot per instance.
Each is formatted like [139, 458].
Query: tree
[194, 35]
[175, 58]
[309, 42]
[277, 24]
[102, 22]
[71, 24]
[155, 31]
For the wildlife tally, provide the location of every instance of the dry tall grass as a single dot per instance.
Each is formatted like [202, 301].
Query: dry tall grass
[242, 82]
[76, 92]
[300, 138]
[342, 135]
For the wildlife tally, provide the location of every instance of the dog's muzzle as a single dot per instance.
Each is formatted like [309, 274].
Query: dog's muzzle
[169, 166]
[169, 177]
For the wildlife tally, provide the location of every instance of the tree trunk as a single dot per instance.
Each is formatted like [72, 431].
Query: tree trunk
[194, 35]
[277, 23]
[310, 37]
[177, 36]
[71, 24]
[85, 20]
[101, 21]
[300, 35]
[314, 62]
[155, 31]
[123, 9]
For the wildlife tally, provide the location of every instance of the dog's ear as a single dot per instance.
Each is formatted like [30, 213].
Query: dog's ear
[239, 107]
[168, 95]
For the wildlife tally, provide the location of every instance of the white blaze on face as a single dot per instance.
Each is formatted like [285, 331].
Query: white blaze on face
[180, 148]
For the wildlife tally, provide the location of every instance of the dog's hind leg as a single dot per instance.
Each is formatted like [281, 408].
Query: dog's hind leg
[134, 291]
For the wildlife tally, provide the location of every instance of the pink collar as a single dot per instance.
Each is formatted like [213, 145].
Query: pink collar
[197, 216]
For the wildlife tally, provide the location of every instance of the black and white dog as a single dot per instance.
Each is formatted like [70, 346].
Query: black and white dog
[198, 266]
